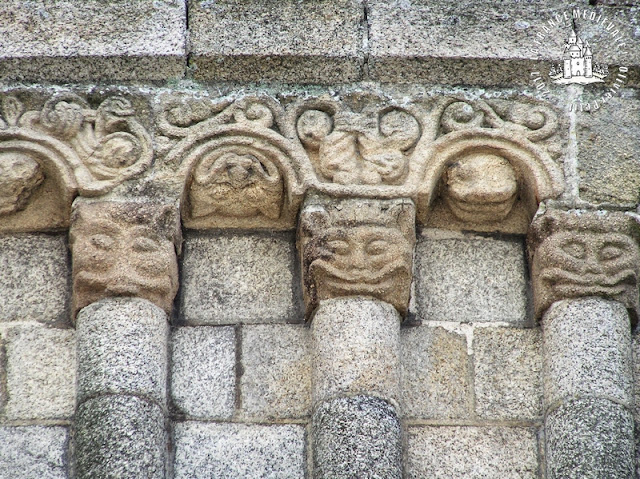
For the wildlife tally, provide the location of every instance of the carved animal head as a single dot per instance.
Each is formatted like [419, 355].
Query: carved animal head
[20, 176]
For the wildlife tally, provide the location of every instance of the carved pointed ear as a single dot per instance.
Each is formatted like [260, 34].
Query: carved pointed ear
[313, 219]
[405, 215]
[167, 222]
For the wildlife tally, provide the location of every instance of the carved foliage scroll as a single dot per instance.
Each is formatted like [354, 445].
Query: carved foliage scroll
[579, 254]
[357, 248]
[124, 249]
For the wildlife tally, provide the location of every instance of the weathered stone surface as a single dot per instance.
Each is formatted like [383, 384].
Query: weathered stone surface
[608, 150]
[122, 349]
[587, 344]
[472, 452]
[471, 280]
[276, 382]
[480, 43]
[119, 436]
[35, 278]
[124, 249]
[508, 365]
[230, 279]
[69, 41]
[33, 452]
[287, 41]
[590, 438]
[239, 450]
[203, 371]
[436, 374]
[356, 437]
[41, 372]
[580, 253]
[355, 349]
[357, 247]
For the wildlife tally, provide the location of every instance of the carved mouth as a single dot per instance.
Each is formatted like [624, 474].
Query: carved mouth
[565, 282]
[130, 285]
[361, 276]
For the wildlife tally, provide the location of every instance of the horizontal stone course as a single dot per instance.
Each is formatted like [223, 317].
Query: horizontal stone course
[310, 42]
[276, 378]
[475, 280]
[203, 371]
[239, 451]
[65, 40]
[472, 452]
[238, 278]
[34, 274]
[34, 452]
[40, 372]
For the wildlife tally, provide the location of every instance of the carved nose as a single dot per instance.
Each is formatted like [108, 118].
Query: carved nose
[592, 265]
[359, 259]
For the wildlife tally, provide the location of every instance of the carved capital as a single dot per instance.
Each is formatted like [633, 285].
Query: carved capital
[357, 247]
[124, 249]
[576, 254]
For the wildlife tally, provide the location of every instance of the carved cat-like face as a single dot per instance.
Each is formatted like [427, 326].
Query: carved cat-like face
[480, 188]
[20, 176]
[113, 257]
[367, 260]
[570, 264]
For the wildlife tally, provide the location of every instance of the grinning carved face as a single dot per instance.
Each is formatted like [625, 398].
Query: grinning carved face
[480, 188]
[20, 176]
[116, 255]
[572, 264]
[365, 260]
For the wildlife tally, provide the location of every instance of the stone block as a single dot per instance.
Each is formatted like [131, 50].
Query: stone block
[312, 42]
[276, 379]
[356, 349]
[472, 452]
[71, 41]
[120, 436]
[41, 372]
[34, 452]
[239, 451]
[587, 351]
[508, 373]
[122, 349]
[203, 371]
[471, 280]
[436, 374]
[231, 279]
[481, 42]
[34, 273]
[356, 437]
[609, 148]
[588, 438]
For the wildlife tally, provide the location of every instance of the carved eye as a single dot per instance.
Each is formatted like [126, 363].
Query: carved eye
[102, 241]
[338, 246]
[574, 249]
[145, 245]
[377, 247]
[610, 252]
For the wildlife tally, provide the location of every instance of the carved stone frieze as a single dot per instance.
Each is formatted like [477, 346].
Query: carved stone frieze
[578, 254]
[124, 249]
[64, 148]
[357, 247]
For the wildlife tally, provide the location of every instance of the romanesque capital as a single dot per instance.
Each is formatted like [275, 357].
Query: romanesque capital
[357, 247]
[575, 254]
[124, 249]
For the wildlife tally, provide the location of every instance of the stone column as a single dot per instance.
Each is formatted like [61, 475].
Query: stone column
[125, 277]
[357, 267]
[584, 268]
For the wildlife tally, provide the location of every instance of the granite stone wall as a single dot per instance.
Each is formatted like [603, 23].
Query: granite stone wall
[199, 201]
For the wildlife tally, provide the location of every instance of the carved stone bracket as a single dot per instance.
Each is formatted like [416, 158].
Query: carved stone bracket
[67, 147]
[576, 254]
[124, 249]
[357, 247]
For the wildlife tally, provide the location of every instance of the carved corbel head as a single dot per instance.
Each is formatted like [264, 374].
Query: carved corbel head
[124, 249]
[20, 176]
[357, 247]
[576, 254]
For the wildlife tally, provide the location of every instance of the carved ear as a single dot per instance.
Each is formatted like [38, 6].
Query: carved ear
[405, 216]
[314, 219]
[168, 223]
